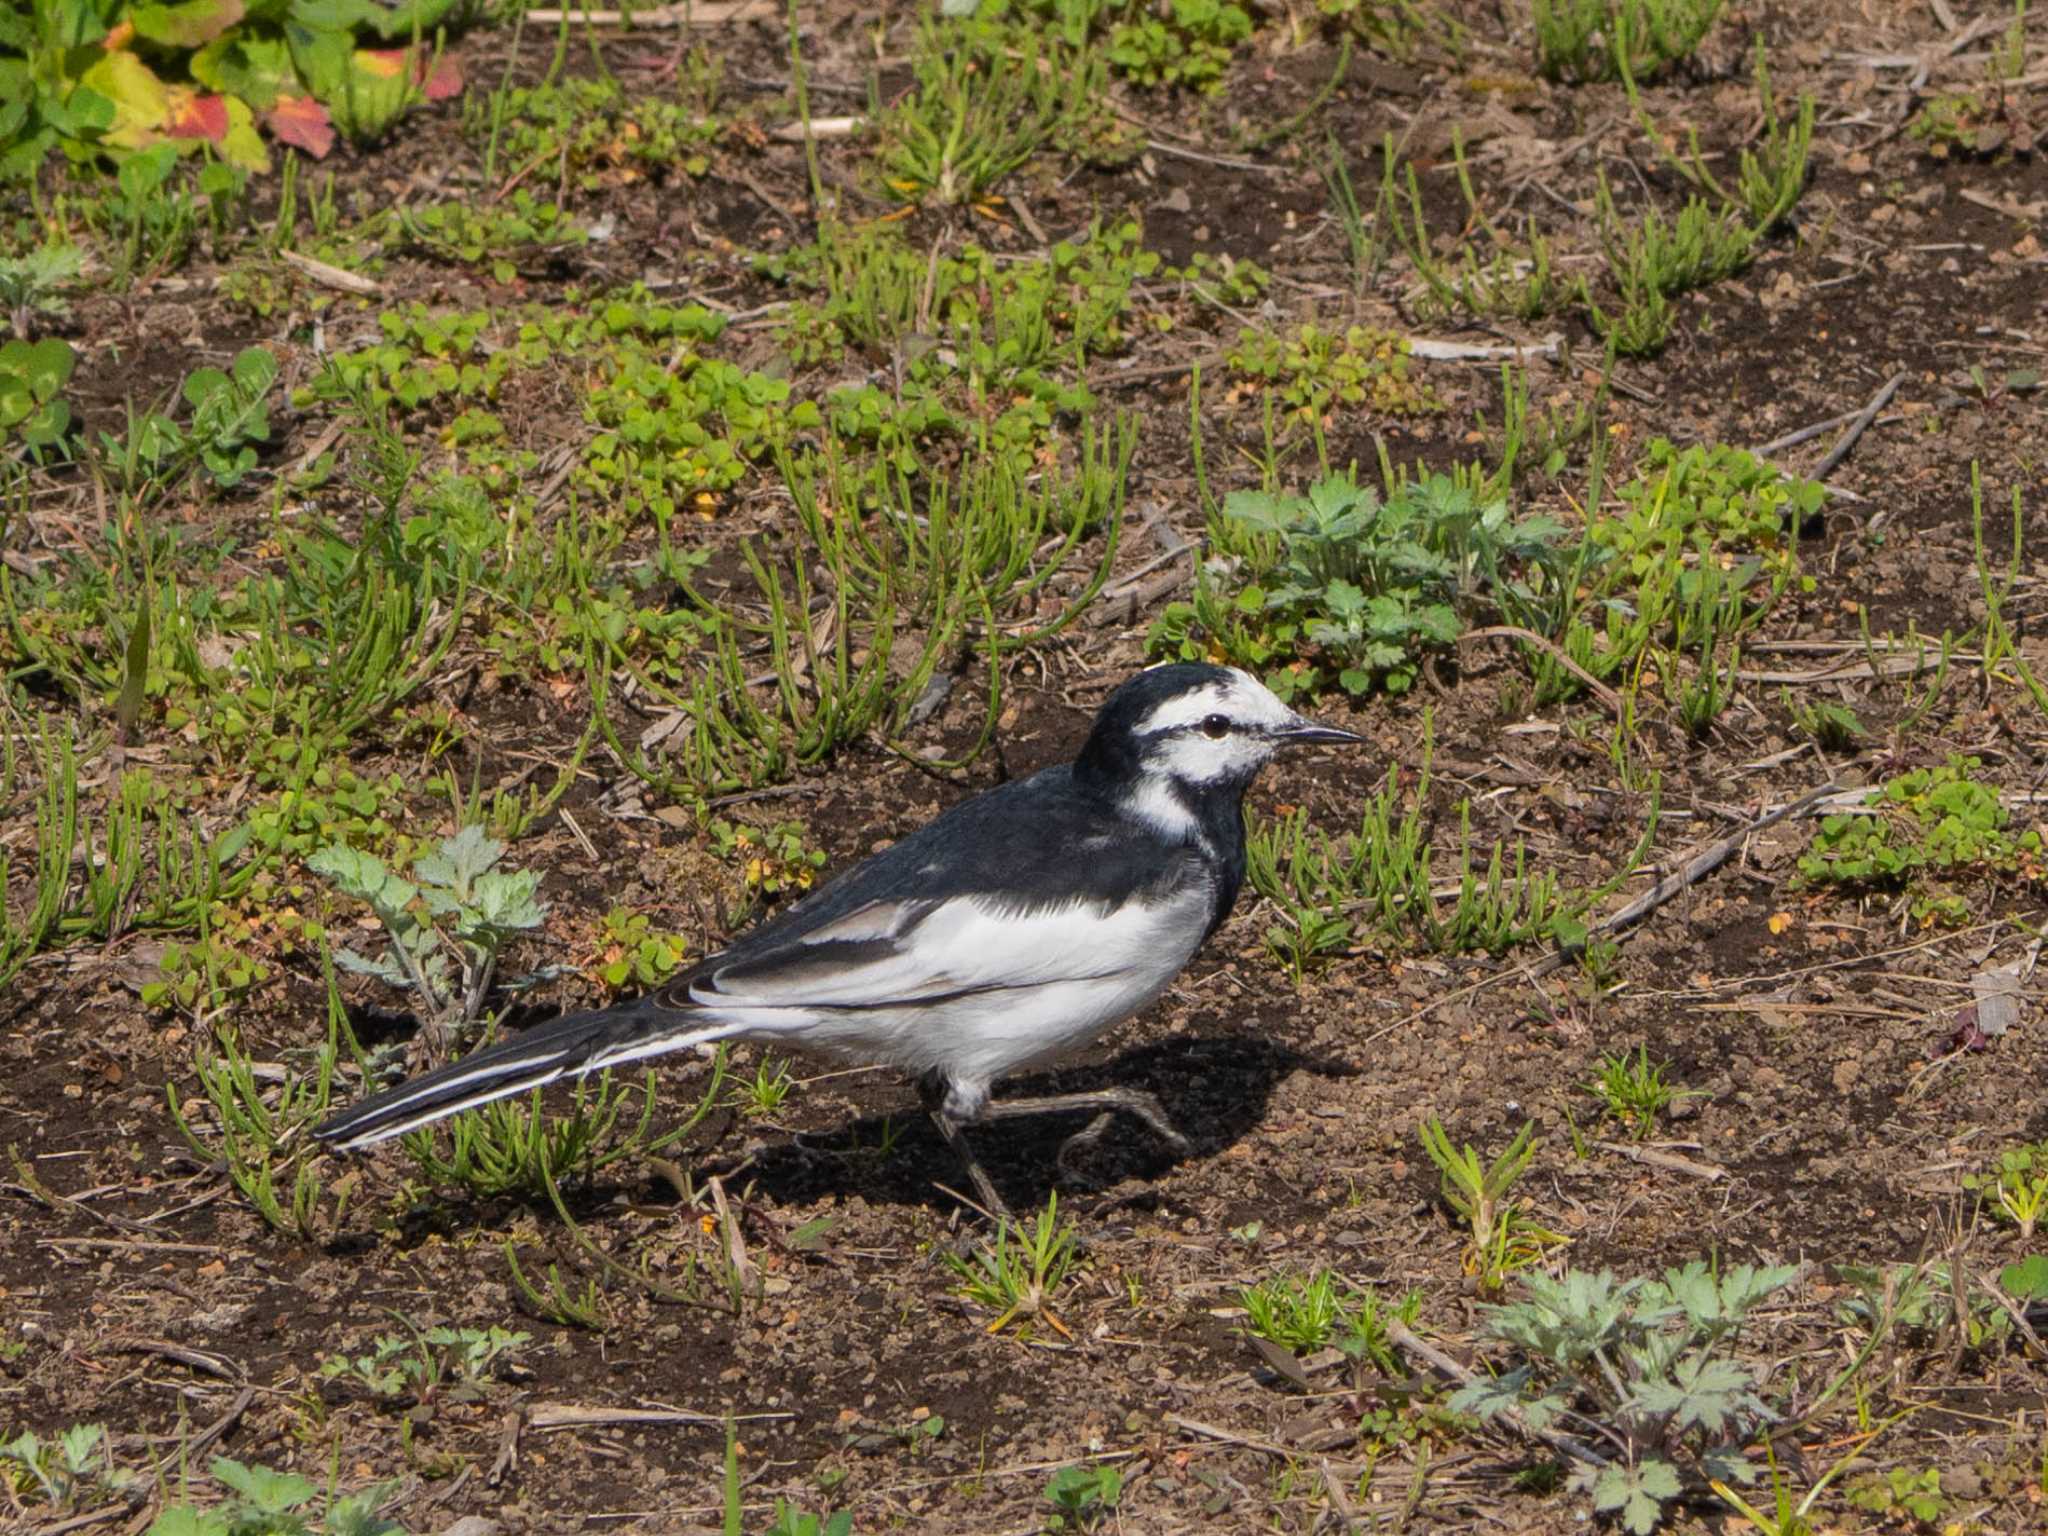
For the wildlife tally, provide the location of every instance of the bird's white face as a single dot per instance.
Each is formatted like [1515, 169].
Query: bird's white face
[1220, 733]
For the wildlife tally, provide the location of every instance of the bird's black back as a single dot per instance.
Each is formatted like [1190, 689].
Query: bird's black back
[1061, 837]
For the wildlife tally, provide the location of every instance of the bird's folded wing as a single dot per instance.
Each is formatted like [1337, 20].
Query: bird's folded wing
[888, 953]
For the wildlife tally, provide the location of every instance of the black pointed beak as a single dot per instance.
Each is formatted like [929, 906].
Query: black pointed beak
[1308, 733]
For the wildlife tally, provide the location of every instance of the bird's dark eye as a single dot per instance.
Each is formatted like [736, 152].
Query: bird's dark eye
[1216, 727]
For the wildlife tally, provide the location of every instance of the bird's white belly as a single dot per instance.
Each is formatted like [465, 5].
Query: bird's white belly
[1035, 988]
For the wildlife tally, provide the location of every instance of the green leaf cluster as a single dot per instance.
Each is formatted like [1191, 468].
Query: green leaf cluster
[266, 1503]
[32, 375]
[1652, 1359]
[1315, 370]
[1934, 821]
[1343, 585]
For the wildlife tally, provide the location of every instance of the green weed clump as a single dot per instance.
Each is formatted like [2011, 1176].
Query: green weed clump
[1380, 882]
[634, 954]
[1314, 371]
[32, 378]
[276, 1504]
[509, 237]
[1705, 541]
[983, 350]
[1635, 1091]
[66, 1473]
[32, 286]
[2017, 1189]
[1083, 1497]
[1657, 1365]
[1920, 830]
[1705, 504]
[1188, 43]
[1305, 1312]
[1345, 585]
[597, 134]
[1588, 40]
[1020, 1275]
[419, 1363]
[986, 99]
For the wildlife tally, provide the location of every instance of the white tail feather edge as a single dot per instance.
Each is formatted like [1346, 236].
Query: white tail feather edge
[524, 1077]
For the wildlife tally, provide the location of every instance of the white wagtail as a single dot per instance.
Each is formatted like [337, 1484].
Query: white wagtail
[1016, 927]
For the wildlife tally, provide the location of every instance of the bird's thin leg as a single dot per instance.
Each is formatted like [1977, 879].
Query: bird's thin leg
[1135, 1102]
[956, 1138]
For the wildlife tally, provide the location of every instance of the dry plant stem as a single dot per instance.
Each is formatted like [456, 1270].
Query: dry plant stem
[1656, 1159]
[704, 13]
[546, 1416]
[1598, 689]
[1858, 427]
[1695, 869]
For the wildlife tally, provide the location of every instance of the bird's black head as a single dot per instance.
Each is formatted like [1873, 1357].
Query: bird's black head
[1182, 734]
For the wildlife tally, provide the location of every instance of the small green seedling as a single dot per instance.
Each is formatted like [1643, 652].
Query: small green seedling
[1900, 1491]
[1296, 1312]
[418, 1365]
[33, 283]
[1833, 727]
[1018, 1279]
[229, 415]
[1635, 1092]
[636, 953]
[1083, 1496]
[276, 1504]
[1304, 1313]
[1503, 1239]
[2018, 1188]
[77, 1465]
[762, 1094]
[792, 1521]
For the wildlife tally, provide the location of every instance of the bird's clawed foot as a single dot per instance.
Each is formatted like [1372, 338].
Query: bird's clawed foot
[940, 1098]
[1135, 1102]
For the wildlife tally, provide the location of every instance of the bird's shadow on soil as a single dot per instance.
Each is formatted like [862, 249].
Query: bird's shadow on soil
[1214, 1089]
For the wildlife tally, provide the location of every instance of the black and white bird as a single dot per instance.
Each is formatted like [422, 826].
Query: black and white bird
[1014, 928]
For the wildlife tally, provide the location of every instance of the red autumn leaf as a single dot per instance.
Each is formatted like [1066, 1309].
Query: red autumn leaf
[437, 78]
[443, 79]
[301, 122]
[197, 117]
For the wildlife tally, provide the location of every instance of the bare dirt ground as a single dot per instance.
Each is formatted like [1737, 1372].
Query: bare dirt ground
[1842, 1096]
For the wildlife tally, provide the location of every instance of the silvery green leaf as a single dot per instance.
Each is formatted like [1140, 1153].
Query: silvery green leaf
[507, 901]
[1343, 600]
[1636, 1494]
[382, 969]
[1727, 1464]
[1485, 1396]
[357, 874]
[1701, 1390]
[460, 860]
[1260, 509]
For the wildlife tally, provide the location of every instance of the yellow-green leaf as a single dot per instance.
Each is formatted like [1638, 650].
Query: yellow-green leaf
[141, 101]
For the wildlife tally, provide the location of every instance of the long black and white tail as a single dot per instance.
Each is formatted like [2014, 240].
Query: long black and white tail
[572, 1046]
